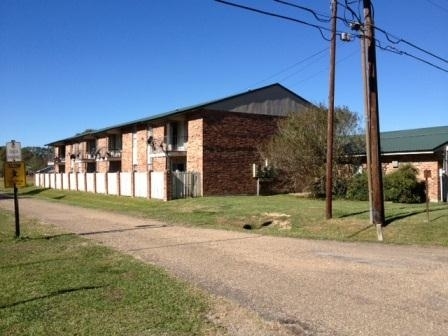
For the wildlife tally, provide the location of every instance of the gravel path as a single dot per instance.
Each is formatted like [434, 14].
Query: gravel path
[297, 287]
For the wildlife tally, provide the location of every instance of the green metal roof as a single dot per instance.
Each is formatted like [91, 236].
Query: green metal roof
[414, 140]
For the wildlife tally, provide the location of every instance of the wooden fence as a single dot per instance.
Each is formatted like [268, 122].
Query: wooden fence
[136, 184]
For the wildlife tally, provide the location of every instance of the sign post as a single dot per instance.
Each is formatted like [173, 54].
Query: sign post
[15, 175]
[13, 151]
[427, 175]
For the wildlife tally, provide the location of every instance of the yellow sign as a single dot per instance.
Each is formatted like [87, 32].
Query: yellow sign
[14, 174]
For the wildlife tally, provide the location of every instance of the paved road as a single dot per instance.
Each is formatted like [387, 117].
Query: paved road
[312, 287]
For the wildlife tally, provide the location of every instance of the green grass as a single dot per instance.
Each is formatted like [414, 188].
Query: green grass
[59, 284]
[406, 224]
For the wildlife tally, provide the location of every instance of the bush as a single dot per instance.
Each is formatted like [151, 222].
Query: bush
[358, 188]
[318, 187]
[402, 186]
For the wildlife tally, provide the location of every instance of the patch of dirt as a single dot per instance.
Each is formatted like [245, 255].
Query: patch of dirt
[230, 319]
[279, 220]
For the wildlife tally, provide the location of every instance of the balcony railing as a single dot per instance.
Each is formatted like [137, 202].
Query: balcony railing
[58, 159]
[114, 153]
[176, 143]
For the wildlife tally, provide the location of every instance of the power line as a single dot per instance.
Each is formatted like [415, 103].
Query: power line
[401, 40]
[300, 70]
[437, 5]
[292, 66]
[354, 14]
[256, 10]
[309, 10]
[320, 71]
[405, 53]
[391, 38]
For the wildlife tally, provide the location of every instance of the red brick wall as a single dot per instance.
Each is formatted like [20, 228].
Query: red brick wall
[195, 149]
[422, 163]
[101, 165]
[142, 149]
[159, 162]
[230, 147]
[126, 153]
[68, 161]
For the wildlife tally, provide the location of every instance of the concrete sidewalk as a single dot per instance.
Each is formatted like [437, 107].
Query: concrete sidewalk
[310, 287]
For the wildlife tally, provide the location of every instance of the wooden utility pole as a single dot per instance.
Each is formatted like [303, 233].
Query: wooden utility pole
[367, 117]
[330, 118]
[375, 146]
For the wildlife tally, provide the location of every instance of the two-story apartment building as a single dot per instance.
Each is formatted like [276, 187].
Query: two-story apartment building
[219, 140]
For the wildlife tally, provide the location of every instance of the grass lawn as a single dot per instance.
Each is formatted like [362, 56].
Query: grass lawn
[304, 218]
[60, 284]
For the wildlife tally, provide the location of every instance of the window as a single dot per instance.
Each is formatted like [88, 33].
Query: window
[115, 142]
[91, 147]
[177, 135]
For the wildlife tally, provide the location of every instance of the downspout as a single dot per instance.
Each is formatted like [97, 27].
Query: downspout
[445, 172]
[443, 176]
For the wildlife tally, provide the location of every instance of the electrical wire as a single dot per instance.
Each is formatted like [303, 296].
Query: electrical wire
[318, 16]
[347, 7]
[300, 70]
[291, 66]
[309, 10]
[256, 10]
[355, 18]
[437, 5]
[397, 51]
[321, 71]
[400, 40]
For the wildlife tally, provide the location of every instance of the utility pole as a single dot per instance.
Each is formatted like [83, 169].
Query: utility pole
[330, 118]
[367, 117]
[375, 146]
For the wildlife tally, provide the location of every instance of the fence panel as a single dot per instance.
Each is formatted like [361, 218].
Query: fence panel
[185, 184]
[126, 184]
[65, 181]
[73, 181]
[141, 184]
[112, 184]
[58, 181]
[81, 181]
[158, 185]
[101, 183]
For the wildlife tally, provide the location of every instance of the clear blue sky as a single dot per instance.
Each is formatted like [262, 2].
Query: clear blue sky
[69, 65]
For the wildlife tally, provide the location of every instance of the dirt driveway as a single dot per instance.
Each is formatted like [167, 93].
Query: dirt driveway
[305, 287]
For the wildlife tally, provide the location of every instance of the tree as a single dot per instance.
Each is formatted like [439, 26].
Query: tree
[34, 157]
[298, 149]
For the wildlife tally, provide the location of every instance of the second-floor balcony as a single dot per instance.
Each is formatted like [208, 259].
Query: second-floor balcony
[58, 160]
[114, 153]
[178, 144]
[167, 145]
[97, 155]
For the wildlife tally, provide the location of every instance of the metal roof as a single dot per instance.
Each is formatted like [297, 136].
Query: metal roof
[417, 140]
[273, 99]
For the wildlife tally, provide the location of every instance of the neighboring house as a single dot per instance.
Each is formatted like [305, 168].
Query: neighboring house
[217, 140]
[424, 148]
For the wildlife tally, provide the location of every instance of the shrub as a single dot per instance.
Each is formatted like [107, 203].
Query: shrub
[358, 188]
[318, 187]
[402, 186]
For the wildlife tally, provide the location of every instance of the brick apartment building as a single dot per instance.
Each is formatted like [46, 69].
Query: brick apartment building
[218, 140]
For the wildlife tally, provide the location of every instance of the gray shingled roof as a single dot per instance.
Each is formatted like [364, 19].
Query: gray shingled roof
[414, 140]
[273, 99]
